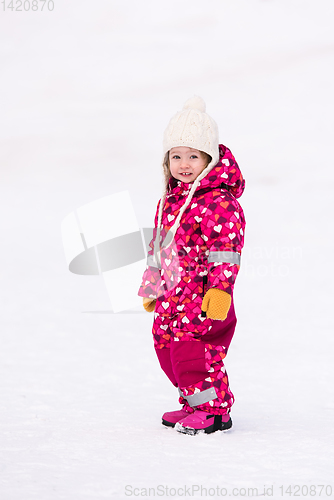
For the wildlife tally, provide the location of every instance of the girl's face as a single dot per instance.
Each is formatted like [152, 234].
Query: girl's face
[186, 163]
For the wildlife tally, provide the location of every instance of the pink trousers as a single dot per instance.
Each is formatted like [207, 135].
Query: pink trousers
[195, 364]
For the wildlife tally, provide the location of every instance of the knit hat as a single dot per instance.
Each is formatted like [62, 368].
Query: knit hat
[194, 128]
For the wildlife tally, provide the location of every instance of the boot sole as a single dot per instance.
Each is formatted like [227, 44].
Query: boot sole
[168, 424]
[218, 425]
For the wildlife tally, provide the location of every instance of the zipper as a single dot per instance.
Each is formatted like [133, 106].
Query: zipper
[205, 281]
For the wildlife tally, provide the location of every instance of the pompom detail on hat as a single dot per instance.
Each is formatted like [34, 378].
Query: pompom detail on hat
[195, 102]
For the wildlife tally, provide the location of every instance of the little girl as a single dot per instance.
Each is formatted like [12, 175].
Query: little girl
[193, 262]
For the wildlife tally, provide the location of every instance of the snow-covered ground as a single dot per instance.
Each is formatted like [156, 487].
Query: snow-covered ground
[86, 92]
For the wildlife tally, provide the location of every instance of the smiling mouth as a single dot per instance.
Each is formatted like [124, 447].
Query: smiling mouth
[185, 173]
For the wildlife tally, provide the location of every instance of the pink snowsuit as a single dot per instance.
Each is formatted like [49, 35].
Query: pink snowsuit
[205, 254]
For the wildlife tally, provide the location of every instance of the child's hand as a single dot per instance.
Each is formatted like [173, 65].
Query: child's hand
[149, 304]
[216, 303]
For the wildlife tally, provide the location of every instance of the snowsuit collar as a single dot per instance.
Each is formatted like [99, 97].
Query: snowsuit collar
[226, 171]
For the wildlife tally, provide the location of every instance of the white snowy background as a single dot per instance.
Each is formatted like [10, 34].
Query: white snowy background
[86, 92]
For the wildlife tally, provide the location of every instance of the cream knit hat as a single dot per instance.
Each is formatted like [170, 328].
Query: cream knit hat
[194, 128]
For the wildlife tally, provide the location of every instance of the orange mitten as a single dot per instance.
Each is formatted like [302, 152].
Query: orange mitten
[216, 303]
[149, 304]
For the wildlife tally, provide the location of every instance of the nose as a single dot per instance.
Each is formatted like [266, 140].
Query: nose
[184, 165]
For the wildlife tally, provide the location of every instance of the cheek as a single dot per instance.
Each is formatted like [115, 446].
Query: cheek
[172, 168]
[201, 167]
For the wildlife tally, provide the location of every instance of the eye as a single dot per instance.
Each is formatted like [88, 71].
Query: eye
[175, 157]
[194, 156]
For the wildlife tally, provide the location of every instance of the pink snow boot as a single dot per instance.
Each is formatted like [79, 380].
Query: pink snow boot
[202, 421]
[170, 418]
